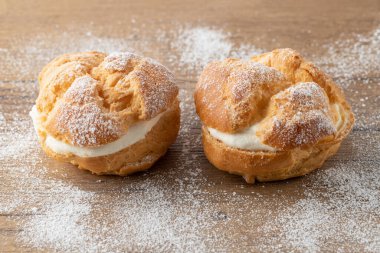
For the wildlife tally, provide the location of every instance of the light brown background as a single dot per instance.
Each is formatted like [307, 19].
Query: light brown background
[268, 24]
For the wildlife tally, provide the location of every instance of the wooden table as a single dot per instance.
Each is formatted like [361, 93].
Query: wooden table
[183, 203]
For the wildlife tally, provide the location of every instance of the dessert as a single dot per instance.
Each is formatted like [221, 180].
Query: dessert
[272, 117]
[109, 114]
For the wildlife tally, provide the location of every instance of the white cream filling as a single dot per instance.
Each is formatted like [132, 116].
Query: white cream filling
[340, 123]
[135, 133]
[248, 139]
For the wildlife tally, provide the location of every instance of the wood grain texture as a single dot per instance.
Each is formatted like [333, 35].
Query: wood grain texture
[301, 25]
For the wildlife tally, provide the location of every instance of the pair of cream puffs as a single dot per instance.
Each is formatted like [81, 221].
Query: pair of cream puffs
[273, 117]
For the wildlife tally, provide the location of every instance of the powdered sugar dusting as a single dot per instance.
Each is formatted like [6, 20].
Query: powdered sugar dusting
[82, 90]
[62, 221]
[118, 60]
[201, 45]
[233, 89]
[183, 203]
[341, 204]
[91, 112]
[18, 141]
[352, 58]
[353, 62]
[80, 115]
[182, 206]
[301, 116]
[86, 125]
[157, 87]
[36, 51]
[308, 94]
[256, 74]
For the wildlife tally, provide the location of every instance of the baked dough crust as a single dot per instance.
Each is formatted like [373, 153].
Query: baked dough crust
[90, 99]
[300, 111]
[137, 157]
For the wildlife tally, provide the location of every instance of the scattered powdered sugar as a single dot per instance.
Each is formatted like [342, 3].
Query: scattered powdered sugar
[183, 203]
[354, 63]
[341, 204]
[190, 50]
[17, 139]
[353, 58]
[179, 207]
[36, 51]
[61, 219]
[201, 45]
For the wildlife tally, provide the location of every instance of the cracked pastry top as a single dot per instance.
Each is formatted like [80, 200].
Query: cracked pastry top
[272, 117]
[94, 105]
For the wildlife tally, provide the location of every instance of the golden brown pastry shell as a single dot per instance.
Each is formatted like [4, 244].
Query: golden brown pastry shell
[137, 157]
[288, 161]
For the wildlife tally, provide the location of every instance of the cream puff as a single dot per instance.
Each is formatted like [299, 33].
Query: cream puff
[273, 117]
[109, 114]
